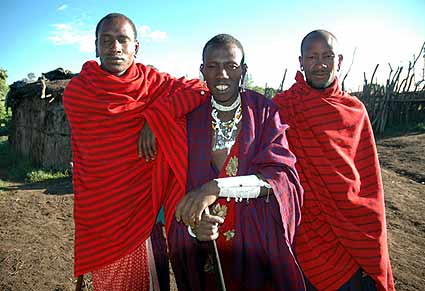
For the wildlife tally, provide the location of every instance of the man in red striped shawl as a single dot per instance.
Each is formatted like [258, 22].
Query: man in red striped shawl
[341, 243]
[239, 163]
[117, 194]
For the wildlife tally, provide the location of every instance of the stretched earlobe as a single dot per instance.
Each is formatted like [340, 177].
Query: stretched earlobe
[201, 73]
[96, 48]
[243, 81]
[243, 84]
[243, 87]
[340, 58]
[136, 48]
[300, 59]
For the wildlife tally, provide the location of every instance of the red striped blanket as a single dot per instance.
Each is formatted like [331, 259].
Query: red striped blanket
[118, 195]
[343, 225]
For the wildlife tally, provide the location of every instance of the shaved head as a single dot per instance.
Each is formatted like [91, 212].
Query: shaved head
[319, 34]
[319, 58]
[111, 17]
[222, 40]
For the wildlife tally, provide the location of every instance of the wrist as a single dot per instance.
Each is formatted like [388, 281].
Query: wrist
[211, 188]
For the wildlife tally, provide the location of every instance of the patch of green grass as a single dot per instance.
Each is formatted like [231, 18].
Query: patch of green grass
[3, 184]
[21, 169]
[40, 175]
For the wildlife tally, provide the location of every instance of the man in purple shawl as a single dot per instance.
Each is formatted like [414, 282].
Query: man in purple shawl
[240, 164]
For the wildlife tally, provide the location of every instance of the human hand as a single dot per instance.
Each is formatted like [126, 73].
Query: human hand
[146, 145]
[207, 229]
[195, 202]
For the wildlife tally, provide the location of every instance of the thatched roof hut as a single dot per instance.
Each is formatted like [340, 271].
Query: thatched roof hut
[39, 128]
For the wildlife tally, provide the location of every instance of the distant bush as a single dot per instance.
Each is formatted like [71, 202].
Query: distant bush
[5, 115]
[5, 118]
[268, 92]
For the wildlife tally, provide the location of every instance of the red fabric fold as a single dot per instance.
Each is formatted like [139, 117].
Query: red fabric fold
[118, 195]
[343, 225]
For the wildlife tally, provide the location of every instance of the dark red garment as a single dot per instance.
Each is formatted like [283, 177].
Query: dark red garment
[225, 246]
[343, 224]
[118, 195]
[261, 253]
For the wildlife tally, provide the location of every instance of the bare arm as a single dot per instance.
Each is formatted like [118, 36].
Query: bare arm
[191, 207]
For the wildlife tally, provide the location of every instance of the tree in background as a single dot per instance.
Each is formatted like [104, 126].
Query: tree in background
[5, 115]
[3, 85]
[269, 92]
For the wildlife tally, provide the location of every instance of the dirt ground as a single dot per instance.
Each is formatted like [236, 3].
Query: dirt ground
[36, 227]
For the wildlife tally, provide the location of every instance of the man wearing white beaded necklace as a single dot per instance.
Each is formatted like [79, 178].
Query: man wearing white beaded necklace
[237, 149]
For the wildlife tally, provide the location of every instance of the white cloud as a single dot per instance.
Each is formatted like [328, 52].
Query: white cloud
[72, 34]
[78, 34]
[62, 7]
[147, 33]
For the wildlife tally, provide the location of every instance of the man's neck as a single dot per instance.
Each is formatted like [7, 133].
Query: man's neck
[230, 106]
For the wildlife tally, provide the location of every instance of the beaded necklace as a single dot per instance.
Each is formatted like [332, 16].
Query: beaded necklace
[225, 132]
[232, 106]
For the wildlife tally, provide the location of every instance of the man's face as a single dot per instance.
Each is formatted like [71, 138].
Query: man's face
[222, 70]
[116, 46]
[320, 62]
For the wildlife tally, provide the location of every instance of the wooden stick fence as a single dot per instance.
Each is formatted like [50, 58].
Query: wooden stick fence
[400, 101]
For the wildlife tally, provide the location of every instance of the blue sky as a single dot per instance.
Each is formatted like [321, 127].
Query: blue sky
[39, 36]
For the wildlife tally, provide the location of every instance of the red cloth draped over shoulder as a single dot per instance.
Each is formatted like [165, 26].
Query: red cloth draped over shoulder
[343, 224]
[118, 195]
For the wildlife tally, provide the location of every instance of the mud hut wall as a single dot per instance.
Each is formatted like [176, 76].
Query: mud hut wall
[40, 130]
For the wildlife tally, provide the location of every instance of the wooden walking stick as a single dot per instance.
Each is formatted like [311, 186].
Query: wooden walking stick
[79, 286]
[217, 264]
[217, 268]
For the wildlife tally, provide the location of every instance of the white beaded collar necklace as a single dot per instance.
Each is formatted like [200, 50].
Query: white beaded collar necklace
[230, 107]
